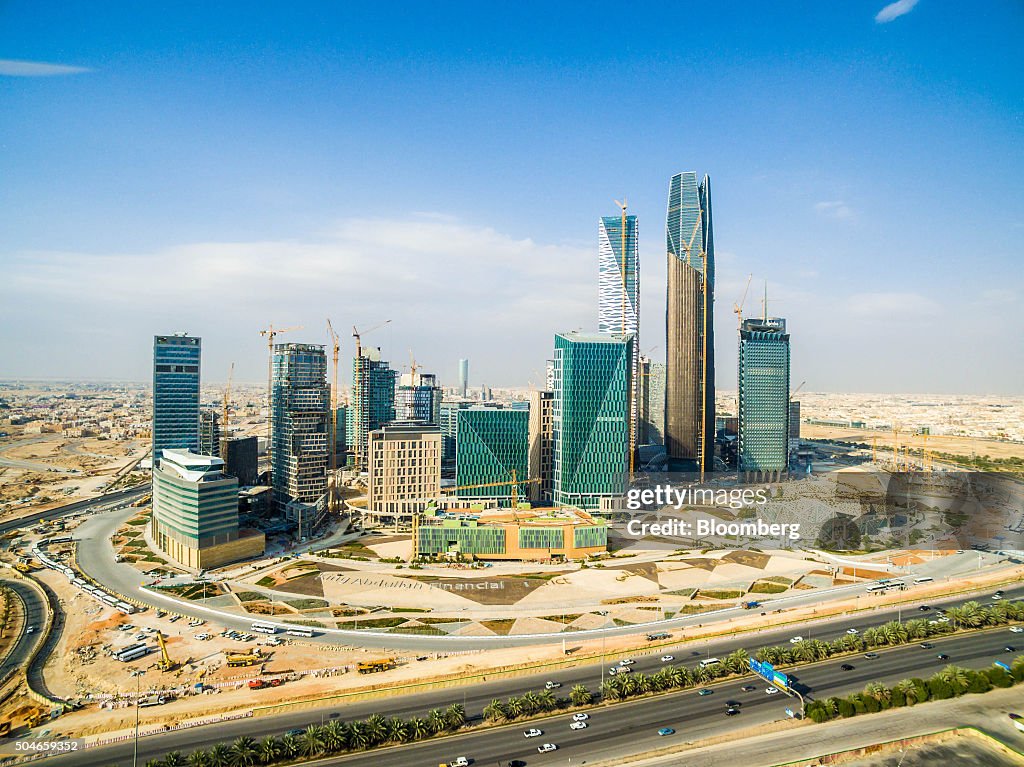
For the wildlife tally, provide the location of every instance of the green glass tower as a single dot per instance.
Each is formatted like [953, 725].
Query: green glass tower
[763, 398]
[590, 414]
[491, 443]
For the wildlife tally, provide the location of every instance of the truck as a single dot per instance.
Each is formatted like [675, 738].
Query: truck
[373, 666]
[751, 605]
[259, 684]
[152, 700]
[245, 659]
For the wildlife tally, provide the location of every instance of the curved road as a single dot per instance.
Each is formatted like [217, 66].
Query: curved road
[35, 615]
[613, 731]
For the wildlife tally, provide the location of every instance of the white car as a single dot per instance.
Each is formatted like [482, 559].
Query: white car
[627, 662]
[580, 717]
[461, 762]
[943, 619]
[771, 690]
[547, 747]
[1017, 629]
[852, 632]
[667, 658]
[996, 597]
[202, 637]
[533, 732]
[796, 639]
[552, 685]
[30, 630]
[578, 726]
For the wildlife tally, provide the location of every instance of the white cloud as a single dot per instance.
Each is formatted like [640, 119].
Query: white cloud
[998, 296]
[17, 68]
[894, 11]
[891, 306]
[834, 209]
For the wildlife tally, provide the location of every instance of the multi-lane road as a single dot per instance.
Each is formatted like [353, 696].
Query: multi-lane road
[35, 619]
[614, 730]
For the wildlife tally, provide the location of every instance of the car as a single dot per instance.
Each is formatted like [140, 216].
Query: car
[516, 763]
[667, 658]
[202, 637]
[771, 690]
[796, 640]
[1009, 648]
[999, 593]
[1016, 630]
[996, 597]
[666, 731]
[623, 670]
[748, 688]
[846, 667]
[139, 636]
[627, 662]
[460, 761]
[870, 655]
[578, 726]
[704, 691]
[943, 619]
[942, 656]
[927, 645]
[924, 608]
[733, 704]
[731, 711]
[295, 733]
[580, 717]
[552, 685]
[546, 748]
[533, 732]
[852, 632]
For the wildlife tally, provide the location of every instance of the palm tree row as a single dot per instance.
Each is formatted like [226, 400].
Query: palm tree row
[338, 737]
[950, 682]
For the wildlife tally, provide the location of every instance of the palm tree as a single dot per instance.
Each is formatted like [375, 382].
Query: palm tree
[243, 752]
[199, 758]
[335, 736]
[154, 763]
[289, 746]
[398, 730]
[531, 703]
[495, 711]
[895, 632]
[377, 728]
[878, 691]
[418, 728]
[358, 736]
[909, 690]
[436, 721]
[174, 759]
[311, 742]
[613, 689]
[269, 750]
[547, 700]
[916, 628]
[955, 677]
[579, 695]
[514, 708]
[220, 756]
[660, 680]
[681, 676]
[456, 716]
[737, 661]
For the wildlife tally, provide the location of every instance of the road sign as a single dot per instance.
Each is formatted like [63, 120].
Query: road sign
[767, 671]
[1003, 666]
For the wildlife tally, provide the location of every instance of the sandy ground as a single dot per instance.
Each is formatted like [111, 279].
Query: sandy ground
[953, 445]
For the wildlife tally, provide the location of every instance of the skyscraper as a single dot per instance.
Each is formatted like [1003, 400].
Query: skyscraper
[651, 385]
[763, 398]
[175, 393]
[209, 432]
[463, 377]
[689, 325]
[404, 473]
[541, 445]
[590, 417]
[373, 401]
[300, 402]
[418, 398]
[491, 444]
[619, 292]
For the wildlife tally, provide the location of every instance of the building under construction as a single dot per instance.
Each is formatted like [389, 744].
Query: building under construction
[689, 321]
[372, 404]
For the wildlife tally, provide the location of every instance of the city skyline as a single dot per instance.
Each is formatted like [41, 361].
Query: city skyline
[840, 160]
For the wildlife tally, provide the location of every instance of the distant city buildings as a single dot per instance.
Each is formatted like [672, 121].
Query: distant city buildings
[690, 361]
[195, 512]
[449, 422]
[372, 404]
[763, 445]
[300, 409]
[176, 361]
[404, 474]
[463, 378]
[590, 417]
[541, 446]
[492, 443]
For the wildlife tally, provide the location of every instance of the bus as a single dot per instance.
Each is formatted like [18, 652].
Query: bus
[877, 588]
[264, 628]
[299, 632]
[126, 608]
[923, 580]
[709, 662]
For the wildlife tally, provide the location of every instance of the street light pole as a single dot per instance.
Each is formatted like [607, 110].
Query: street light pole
[135, 751]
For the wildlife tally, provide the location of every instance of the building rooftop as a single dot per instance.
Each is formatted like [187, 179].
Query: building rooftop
[191, 466]
[596, 338]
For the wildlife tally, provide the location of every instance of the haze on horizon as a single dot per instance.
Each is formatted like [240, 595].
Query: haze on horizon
[214, 172]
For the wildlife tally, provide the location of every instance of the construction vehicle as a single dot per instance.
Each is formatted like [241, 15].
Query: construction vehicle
[259, 684]
[373, 666]
[165, 663]
[23, 567]
[251, 658]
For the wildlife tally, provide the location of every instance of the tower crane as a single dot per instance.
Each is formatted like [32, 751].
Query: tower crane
[270, 334]
[413, 367]
[797, 391]
[227, 400]
[738, 308]
[358, 394]
[335, 348]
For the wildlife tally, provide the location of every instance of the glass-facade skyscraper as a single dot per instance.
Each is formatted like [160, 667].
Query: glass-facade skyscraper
[176, 363]
[418, 398]
[689, 325]
[618, 299]
[372, 404]
[463, 377]
[491, 443]
[763, 445]
[590, 417]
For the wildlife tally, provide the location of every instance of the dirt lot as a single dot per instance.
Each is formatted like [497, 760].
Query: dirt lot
[936, 444]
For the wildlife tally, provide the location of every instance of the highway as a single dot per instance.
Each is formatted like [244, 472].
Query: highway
[35, 615]
[621, 727]
[73, 508]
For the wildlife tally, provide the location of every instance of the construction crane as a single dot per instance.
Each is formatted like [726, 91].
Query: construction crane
[165, 663]
[413, 367]
[271, 333]
[227, 400]
[359, 420]
[513, 481]
[332, 501]
[797, 391]
[738, 308]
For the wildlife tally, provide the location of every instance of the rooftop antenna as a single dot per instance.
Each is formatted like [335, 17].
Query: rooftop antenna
[764, 303]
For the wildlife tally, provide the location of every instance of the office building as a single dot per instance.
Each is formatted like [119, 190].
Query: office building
[510, 534]
[209, 432]
[689, 320]
[492, 443]
[176, 360]
[195, 512]
[590, 417]
[763, 443]
[449, 423]
[651, 384]
[340, 422]
[418, 398]
[619, 294]
[372, 404]
[794, 427]
[241, 459]
[463, 378]
[404, 474]
[541, 446]
[300, 403]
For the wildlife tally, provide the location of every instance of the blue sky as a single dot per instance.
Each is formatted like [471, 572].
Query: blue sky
[444, 165]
